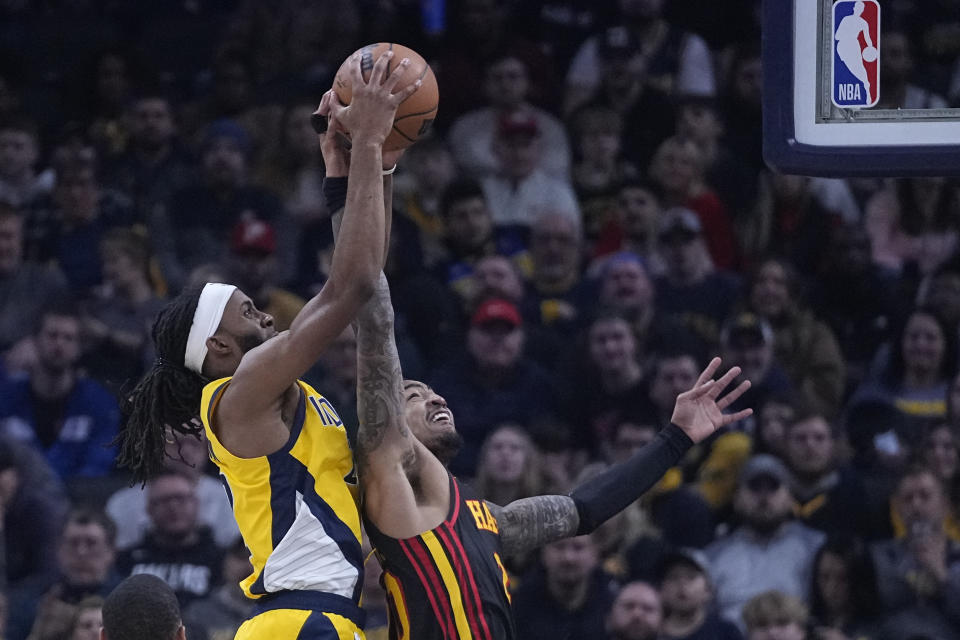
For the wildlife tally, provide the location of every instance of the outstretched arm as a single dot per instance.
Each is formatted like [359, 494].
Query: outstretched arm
[384, 443]
[390, 460]
[268, 371]
[532, 522]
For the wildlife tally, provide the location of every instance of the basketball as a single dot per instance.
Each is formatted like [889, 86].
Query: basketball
[869, 54]
[416, 113]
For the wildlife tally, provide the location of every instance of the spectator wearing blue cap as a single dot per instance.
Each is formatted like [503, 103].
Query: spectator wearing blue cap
[195, 225]
[626, 285]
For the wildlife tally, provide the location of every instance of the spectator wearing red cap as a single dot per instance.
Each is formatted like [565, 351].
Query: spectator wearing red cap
[194, 226]
[507, 86]
[253, 266]
[493, 382]
[521, 190]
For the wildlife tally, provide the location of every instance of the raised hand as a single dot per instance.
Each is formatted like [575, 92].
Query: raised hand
[333, 146]
[699, 411]
[369, 116]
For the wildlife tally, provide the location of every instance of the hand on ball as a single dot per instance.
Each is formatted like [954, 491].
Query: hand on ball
[369, 116]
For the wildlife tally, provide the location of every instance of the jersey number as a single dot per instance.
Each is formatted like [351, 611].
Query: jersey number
[506, 577]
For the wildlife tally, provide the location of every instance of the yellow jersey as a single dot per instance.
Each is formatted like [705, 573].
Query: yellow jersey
[297, 508]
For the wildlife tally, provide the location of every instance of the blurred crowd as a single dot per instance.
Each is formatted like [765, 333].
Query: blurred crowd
[589, 222]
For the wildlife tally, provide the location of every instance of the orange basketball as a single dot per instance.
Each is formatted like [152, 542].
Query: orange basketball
[416, 113]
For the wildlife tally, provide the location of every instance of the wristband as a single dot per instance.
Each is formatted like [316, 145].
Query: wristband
[335, 193]
[387, 172]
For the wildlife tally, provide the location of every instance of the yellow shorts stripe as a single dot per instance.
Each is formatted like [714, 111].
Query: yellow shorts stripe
[450, 582]
[298, 624]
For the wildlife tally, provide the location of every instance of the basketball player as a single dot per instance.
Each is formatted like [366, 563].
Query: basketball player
[280, 446]
[848, 44]
[142, 607]
[441, 548]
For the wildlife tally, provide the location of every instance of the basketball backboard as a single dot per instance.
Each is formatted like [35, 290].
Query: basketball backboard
[822, 109]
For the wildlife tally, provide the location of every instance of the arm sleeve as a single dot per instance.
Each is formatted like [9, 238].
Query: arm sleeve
[602, 497]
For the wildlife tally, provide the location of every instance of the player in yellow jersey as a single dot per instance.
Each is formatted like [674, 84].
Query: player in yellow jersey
[280, 446]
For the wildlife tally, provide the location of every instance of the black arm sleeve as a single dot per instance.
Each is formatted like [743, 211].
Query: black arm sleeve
[601, 498]
[335, 193]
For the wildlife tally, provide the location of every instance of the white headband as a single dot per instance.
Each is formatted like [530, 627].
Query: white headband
[213, 300]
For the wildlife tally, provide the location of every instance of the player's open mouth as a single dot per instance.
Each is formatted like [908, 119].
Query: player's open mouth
[442, 416]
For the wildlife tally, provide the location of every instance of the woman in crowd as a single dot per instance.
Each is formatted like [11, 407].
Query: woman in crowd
[844, 598]
[509, 467]
[916, 372]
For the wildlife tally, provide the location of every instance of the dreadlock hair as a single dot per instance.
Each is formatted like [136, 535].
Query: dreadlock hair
[167, 398]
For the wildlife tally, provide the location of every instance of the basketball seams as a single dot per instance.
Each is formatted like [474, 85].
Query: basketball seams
[403, 135]
[370, 54]
[419, 113]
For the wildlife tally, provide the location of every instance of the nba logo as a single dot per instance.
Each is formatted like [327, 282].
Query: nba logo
[856, 53]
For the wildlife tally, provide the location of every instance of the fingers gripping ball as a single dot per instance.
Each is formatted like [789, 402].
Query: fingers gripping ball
[415, 115]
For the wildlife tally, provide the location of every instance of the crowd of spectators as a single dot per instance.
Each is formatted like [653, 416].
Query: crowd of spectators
[589, 221]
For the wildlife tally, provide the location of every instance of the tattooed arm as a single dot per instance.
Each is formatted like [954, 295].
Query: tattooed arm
[383, 436]
[698, 412]
[533, 522]
[405, 488]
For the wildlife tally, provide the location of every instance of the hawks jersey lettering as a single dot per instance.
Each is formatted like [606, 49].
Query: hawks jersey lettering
[296, 508]
[448, 583]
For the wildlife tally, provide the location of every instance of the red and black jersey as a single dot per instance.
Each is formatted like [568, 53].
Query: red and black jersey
[448, 583]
